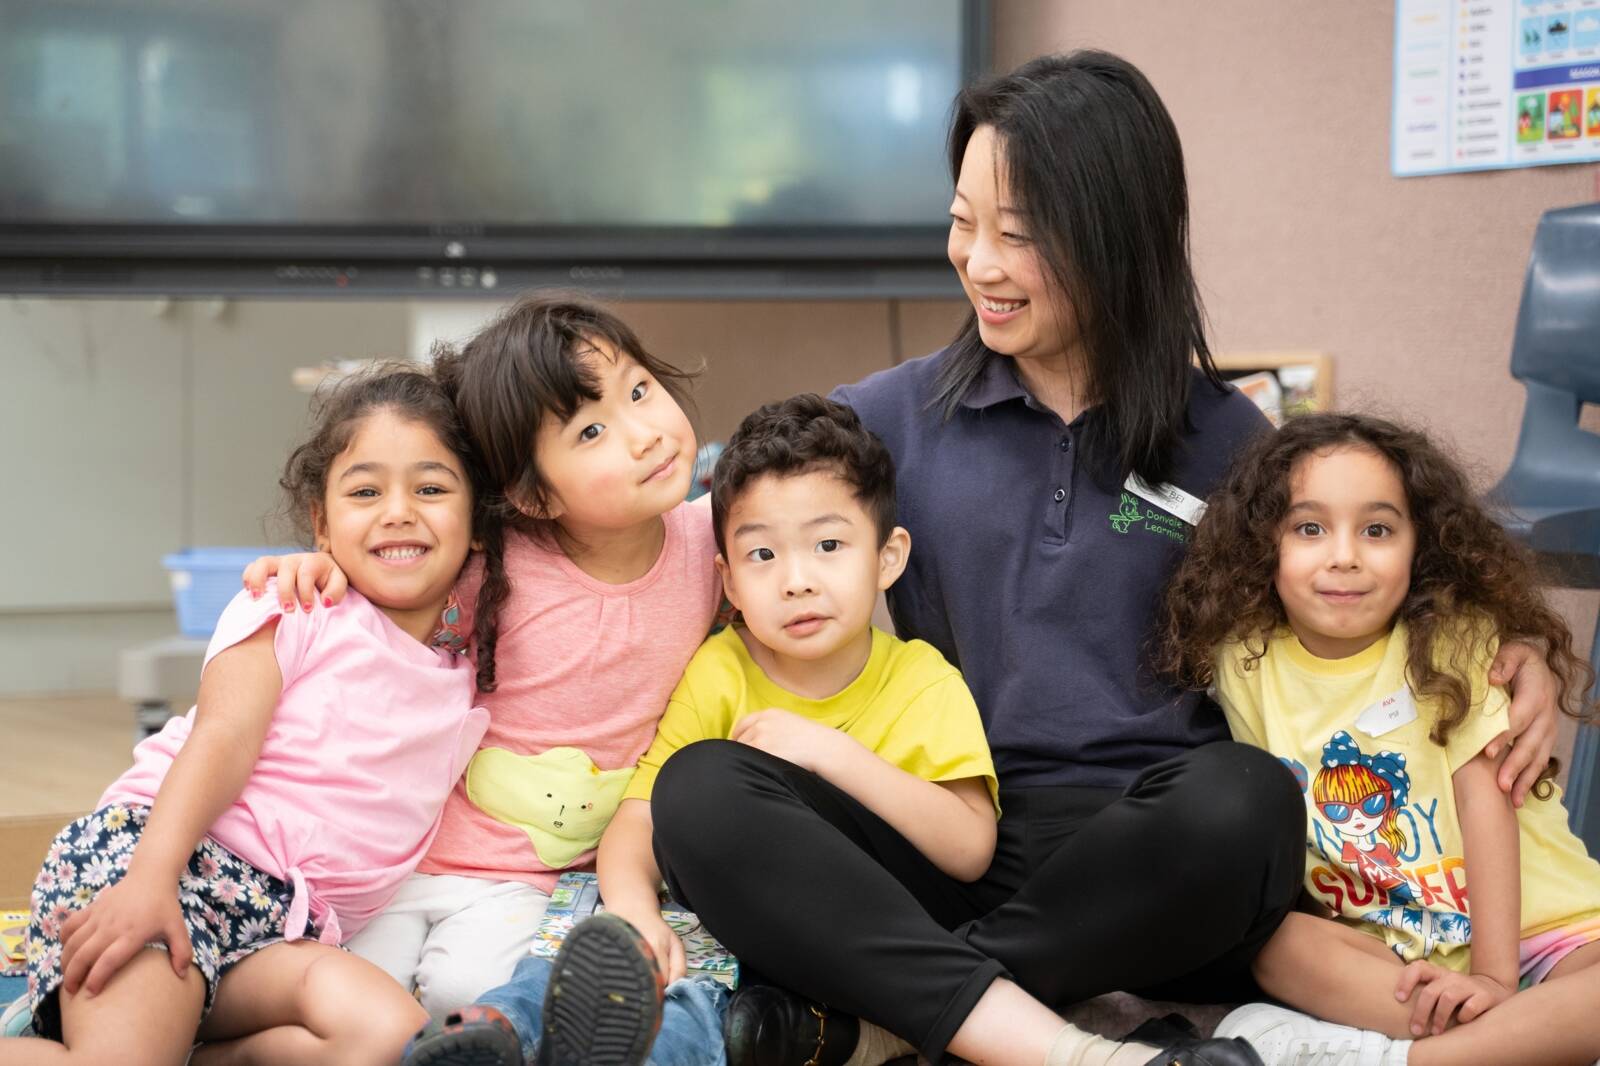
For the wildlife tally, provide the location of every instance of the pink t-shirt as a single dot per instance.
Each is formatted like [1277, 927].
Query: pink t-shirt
[584, 671]
[371, 732]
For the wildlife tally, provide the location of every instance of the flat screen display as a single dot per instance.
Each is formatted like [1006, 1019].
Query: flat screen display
[354, 120]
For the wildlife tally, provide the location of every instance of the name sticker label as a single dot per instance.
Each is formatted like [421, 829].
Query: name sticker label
[1169, 498]
[1388, 714]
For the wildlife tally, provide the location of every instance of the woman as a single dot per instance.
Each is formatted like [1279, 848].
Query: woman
[1049, 465]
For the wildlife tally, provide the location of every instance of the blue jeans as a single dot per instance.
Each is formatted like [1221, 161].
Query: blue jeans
[691, 1018]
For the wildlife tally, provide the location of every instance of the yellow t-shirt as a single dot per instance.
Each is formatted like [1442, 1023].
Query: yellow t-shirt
[908, 706]
[1383, 840]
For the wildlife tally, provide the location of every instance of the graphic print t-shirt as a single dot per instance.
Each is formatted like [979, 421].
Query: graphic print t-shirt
[585, 669]
[1395, 862]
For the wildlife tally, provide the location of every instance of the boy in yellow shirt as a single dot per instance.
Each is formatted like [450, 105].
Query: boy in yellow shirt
[804, 513]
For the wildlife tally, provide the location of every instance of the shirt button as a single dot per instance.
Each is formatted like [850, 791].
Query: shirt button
[1061, 494]
[1066, 442]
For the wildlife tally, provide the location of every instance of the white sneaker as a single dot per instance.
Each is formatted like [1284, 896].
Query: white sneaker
[1284, 1037]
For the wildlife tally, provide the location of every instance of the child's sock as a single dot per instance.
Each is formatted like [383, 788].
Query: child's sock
[877, 1045]
[1396, 1053]
[1074, 1047]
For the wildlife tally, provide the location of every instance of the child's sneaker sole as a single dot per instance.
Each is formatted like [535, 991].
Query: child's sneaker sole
[474, 1036]
[603, 1005]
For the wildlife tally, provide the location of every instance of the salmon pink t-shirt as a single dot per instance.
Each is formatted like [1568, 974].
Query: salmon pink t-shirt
[584, 671]
[371, 732]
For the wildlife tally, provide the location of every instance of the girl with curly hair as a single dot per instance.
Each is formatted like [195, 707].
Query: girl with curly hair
[1345, 596]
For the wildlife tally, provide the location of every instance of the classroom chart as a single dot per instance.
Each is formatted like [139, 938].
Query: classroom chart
[1487, 84]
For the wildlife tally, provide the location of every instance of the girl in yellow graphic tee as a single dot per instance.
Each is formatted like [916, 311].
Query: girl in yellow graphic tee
[1344, 598]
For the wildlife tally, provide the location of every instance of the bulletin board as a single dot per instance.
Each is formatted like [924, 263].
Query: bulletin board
[1488, 84]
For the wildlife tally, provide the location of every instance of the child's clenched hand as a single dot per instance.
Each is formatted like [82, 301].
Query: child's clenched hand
[658, 934]
[1442, 993]
[808, 744]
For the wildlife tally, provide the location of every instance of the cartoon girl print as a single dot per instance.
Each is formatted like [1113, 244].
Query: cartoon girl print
[1361, 795]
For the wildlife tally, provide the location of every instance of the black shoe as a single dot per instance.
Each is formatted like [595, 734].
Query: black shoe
[1183, 1046]
[771, 1026]
[603, 1004]
[1234, 1052]
[1162, 1032]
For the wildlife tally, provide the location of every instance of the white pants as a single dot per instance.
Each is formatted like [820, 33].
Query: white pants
[452, 938]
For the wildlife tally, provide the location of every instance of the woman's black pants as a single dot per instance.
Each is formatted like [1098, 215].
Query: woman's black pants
[1167, 889]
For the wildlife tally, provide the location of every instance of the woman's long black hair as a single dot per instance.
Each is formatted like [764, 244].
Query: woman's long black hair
[1095, 165]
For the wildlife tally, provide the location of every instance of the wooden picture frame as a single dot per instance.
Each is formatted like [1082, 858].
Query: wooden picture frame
[1282, 383]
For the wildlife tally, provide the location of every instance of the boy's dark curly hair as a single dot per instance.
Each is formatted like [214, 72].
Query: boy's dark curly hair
[1466, 568]
[802, 434]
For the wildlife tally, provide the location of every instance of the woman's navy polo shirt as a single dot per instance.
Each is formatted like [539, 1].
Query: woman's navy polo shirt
[1041, 585]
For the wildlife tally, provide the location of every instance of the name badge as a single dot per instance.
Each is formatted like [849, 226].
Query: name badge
[1388, 714]
[1169, 498]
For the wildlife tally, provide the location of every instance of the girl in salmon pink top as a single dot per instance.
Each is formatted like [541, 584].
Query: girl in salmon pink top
[256, 833]
[610, 587]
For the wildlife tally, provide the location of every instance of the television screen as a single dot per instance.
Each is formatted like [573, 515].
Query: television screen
[409, 137]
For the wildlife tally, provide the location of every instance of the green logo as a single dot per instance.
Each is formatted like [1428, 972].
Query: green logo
[1131, 514]
[1125, 518]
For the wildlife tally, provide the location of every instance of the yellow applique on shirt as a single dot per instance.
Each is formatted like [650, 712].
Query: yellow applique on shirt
[560, 798]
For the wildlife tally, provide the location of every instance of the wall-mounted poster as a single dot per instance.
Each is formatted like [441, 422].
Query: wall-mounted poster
[1486, 84]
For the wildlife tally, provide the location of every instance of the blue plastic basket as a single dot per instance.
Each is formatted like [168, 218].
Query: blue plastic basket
[205, 580]
[705, 461]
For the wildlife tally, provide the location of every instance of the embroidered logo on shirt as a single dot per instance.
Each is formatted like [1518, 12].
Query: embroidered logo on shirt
[1133, 515]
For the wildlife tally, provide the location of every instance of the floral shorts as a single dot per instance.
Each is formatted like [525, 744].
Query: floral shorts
[231, 909]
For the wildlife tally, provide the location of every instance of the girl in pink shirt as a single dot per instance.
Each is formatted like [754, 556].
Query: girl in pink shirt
[610, 587]
[289, 805]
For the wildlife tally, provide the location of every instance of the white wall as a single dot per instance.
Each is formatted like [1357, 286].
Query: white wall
[134, 428]
[138, 427]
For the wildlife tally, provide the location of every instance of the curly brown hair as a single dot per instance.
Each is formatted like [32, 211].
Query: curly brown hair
[1466, 567]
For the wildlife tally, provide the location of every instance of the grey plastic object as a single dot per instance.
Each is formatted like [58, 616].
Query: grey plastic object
[160, 678]
[1552, 490]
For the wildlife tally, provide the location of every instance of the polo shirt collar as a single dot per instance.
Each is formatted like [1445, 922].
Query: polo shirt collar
[995, 383]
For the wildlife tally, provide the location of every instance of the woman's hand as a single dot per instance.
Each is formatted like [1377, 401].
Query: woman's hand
[1534, 716]
[658, 934]
[300, 578]
[808, 744]
[1445, 993]
[100, 939]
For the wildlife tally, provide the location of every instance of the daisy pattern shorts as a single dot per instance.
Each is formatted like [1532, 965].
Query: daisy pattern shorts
[231, 908]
